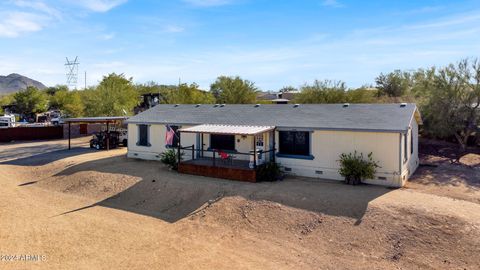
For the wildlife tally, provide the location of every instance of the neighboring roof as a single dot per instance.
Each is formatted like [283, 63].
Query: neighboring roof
[280, 100]
[360, 117]
[228, 129]
[100, 119]
[266, 96]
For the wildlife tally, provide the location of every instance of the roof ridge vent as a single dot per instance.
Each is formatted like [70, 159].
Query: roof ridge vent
[296, 105]
[403, 104]
[346, 105]
[257, 105]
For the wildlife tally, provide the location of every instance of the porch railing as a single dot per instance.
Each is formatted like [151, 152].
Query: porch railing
[215, 153]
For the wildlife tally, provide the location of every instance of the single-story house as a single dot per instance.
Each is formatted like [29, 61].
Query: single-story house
[232, 141]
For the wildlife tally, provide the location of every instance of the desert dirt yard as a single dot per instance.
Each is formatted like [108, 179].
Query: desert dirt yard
[88, 209]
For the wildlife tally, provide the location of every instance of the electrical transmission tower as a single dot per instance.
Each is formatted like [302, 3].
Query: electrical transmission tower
[72, 71]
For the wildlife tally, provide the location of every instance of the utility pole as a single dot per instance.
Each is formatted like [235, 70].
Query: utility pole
[85, 80]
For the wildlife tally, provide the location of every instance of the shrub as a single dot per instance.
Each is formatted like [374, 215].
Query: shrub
[355, 167]
[268, 172]
[170, 158]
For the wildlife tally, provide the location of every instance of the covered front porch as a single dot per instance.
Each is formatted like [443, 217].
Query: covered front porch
[227, 151]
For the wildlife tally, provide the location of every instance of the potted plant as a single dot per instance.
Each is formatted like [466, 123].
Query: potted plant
[355, 167]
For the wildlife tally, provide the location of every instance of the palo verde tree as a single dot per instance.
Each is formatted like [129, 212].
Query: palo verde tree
[234, 90]
[31, 100]
[393, 84]
[114, 96]
[452, 100]
[326, 91]
[6, 100]
[69, 102]
[189, 94]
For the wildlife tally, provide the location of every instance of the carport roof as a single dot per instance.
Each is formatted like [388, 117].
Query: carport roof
[99, 119]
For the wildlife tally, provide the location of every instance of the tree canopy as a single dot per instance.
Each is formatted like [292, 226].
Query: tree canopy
[189, 94]
[70, 102]
[450, 100]
[322, 92]
[115, 95]
[234, 90]
[393, 84]
[31, 100]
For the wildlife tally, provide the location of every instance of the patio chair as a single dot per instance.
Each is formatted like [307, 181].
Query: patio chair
[226, 158]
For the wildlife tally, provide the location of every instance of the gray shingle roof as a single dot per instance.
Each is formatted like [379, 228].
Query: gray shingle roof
[368, 117]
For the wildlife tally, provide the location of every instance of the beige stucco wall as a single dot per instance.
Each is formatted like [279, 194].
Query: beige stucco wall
[411, 162]
[327, 146]
[157, 141]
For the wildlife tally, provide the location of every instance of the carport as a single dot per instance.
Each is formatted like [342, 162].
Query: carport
[107, 120]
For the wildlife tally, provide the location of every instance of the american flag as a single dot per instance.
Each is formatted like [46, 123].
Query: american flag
[169, 136]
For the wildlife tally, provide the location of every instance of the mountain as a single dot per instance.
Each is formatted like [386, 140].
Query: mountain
[16, 82]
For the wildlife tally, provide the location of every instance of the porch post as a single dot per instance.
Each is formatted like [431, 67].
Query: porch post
[69, 136]
[273, 145]
[213, 157]
[178, 148]
[254, 152]
[201, 143]
[108, 137]
[193, 151]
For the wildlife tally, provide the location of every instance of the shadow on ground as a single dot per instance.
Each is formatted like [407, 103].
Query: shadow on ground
[44, 155]
[444, 175]
[171, 196]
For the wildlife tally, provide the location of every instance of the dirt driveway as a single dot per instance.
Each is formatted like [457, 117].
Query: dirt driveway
[87, 209]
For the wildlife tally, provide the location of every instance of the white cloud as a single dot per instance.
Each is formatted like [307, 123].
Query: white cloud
[332, 3]
[421, 10]
[14, 24]
[459, 20]
[100, 5]
[208, 3]
[38, 6]
[173, 29]
[108, 36]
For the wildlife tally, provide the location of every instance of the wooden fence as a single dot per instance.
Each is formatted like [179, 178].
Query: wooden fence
[30, 133]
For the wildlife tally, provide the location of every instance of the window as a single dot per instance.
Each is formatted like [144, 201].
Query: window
[143, 135]
[405, 147]
[222, 142]
[294, 143]
[259, 140]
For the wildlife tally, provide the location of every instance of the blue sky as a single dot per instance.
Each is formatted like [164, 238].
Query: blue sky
[273, 43]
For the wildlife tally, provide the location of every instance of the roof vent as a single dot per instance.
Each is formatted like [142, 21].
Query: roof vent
[346, 105]
[257, 105]
[296, 105]
[176, 105]
[403, 104]
[198, 105]
[222, 105]
[216, 105]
